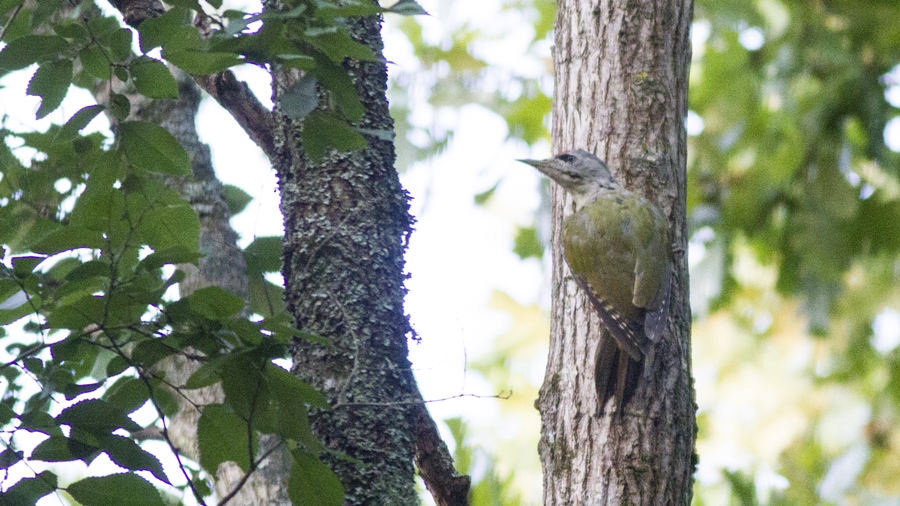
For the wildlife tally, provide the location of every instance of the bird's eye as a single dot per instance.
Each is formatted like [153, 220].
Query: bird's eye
[565, 157]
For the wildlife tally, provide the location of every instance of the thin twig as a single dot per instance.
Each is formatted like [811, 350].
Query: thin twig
[246, 476]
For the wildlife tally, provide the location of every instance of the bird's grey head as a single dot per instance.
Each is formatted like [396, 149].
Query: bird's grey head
[579, 172]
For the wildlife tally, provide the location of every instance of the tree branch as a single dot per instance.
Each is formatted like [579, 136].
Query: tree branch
[233, 95]
[236, 98]
[446, 485]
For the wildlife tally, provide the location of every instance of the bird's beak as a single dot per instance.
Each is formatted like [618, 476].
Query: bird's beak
[543, 166]
[534, 163]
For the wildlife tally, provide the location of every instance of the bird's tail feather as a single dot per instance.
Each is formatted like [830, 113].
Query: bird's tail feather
[616, 375]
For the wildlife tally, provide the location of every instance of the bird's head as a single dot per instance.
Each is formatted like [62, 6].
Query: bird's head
[579, 172]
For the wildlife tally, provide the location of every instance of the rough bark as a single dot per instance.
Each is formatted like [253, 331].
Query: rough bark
[621, 92]
[346, 223]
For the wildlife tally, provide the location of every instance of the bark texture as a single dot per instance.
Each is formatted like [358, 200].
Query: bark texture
[346, 223]
[620, 92]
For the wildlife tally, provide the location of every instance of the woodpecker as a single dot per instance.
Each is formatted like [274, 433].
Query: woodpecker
[617, 247]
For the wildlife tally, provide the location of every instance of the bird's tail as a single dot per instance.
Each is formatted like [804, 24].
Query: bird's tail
[616, 375]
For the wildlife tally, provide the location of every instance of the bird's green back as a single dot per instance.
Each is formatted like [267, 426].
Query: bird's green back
[619, 244]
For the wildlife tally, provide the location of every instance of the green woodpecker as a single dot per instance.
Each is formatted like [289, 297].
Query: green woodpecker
[617, 247]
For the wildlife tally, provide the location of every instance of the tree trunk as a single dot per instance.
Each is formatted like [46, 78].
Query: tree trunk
[346, 222]
[621, 92]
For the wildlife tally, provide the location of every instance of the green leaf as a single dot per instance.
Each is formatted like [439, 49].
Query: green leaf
[37, 420]
[201, 62]
[78, 121]
[312, 482]
[242, 382]
[69, 238]
[155, 32]
[528, 244]
[215, 303]
[237, 199]
[166, 402]
[115, 490]
[73, 390]
[102, 210]
[33, 365]
[266, 298]
[222, 437]
[10, 457]
[337, 44]
[8, 5]
[24, 265]
[128, 454]
[63, 449]
[207, 374]
[71, 30]
[50, 82]
[127, 394]
[151, 147]
[170, 256]
[151, 351]
[290, 386]
[28, 490]
[103, 26]
[264, 254]
[407, 8]
[288, 418]
[152, 78]
[96, 416]
[95, 62]
[482, 198]
[322, 131]
[301, 99]
[90, 269]
[118, 43]
[78, 315]
[116, 366]
[29, 49]
[120, 106]
[335, 79]
[175, 225]
[6, 414]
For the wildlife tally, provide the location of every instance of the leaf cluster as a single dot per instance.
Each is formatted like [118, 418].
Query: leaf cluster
[311, 36]
[93, 235]
[97, 262]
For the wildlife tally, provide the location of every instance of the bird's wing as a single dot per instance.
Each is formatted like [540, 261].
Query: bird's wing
[656, 318]
[629, 334]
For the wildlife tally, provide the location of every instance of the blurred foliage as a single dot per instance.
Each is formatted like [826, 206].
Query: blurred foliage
[488, 489]
[792, 179]
[456, 63]
[794, 216]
